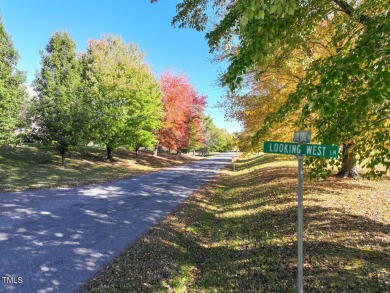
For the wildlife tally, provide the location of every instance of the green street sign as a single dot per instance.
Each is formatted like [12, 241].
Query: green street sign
[313, 150]
[321, 150]
[301, 148]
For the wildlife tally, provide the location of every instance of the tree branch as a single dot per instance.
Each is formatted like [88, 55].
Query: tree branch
[348, 9]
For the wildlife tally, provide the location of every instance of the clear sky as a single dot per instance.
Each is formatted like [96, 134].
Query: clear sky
[31, 23]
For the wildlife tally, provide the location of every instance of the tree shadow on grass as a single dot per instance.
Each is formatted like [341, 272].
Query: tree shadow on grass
[249, 163]
[342, 253]
[39, 167]
[226, 240]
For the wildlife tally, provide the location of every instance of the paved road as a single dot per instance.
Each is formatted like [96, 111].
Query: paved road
[53, 240]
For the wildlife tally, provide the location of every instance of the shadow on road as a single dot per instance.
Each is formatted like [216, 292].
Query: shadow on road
[53, 240]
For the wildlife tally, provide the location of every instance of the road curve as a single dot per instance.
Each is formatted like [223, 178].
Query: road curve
[54, 240]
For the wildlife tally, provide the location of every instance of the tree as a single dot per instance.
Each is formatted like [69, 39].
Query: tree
[58, 106]
[124, 97]
[216, 139]
[265, 93]
[183, 108]
[196, 137]
[342, 94]
[12, 91]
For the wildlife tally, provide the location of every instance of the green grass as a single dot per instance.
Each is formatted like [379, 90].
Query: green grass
[238, 234]
[33, 166]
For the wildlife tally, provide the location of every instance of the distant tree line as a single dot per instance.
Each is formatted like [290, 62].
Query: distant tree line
[107, 96]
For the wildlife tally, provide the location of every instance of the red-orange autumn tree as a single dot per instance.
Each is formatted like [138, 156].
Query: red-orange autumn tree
[183, 108]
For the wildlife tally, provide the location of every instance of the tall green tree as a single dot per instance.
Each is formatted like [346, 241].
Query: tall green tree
[12, 91]
[58, 107]
[343, 96]
[124, 97]
[216, 139]
[196, 137]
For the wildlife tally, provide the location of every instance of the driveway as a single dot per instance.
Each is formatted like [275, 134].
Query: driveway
[54, 240]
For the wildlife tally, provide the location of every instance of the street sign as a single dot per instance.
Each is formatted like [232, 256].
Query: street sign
[302, 136]
[313, 150]
[321, 150]
[301, 148]
[285, 148]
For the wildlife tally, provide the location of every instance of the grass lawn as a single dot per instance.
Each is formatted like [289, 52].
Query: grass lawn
[238, 234]
[33, 166]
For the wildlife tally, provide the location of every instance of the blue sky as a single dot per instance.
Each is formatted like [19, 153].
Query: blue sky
[31, 23]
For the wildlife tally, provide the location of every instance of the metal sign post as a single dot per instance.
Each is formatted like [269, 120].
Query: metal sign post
[301, 148]
[300, 224]
[302, 138]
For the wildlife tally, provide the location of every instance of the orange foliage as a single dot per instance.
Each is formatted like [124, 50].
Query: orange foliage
[183, 108]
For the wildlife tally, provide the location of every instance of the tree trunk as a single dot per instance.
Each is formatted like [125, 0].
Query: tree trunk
[136, 151]
[62, 158]
[156, 149]
[348, 168]
[109, 153]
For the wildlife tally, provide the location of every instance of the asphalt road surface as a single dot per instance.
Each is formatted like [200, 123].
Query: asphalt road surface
[54, 240]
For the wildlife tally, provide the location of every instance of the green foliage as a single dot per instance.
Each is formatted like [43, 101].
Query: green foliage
[123, 96]
[59, 106]
[12, 91]
[216, 139]
[194, 141]
[343, 95]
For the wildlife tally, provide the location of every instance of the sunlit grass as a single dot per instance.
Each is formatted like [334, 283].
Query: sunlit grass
[33, 166]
